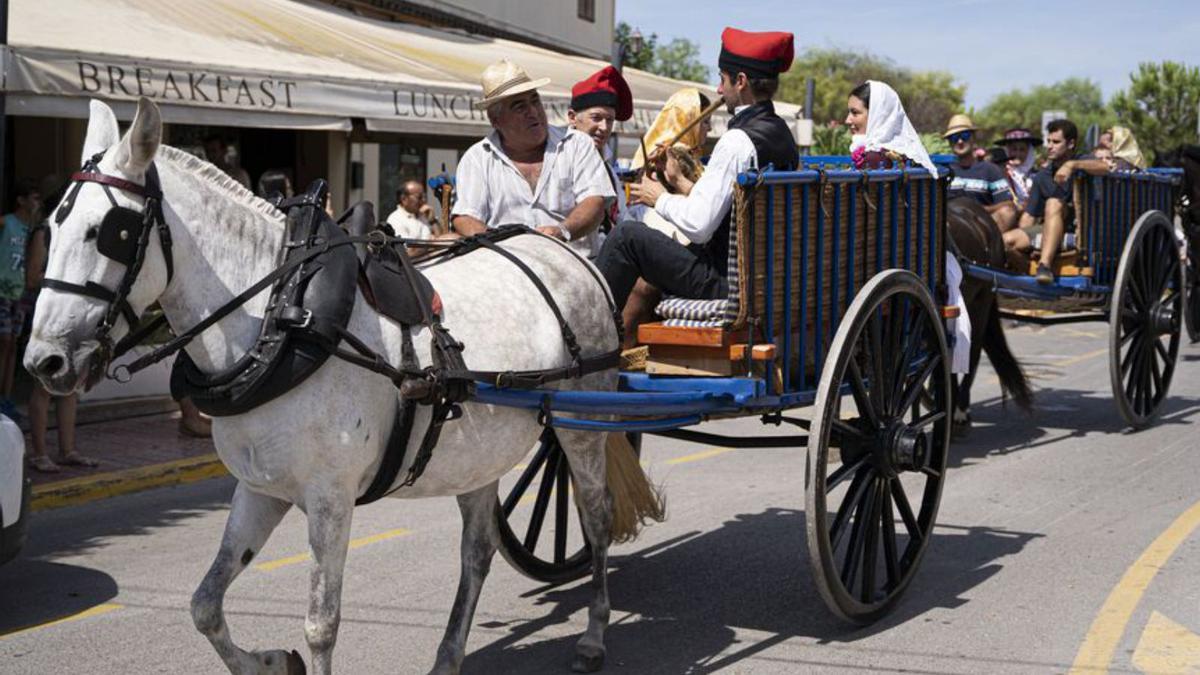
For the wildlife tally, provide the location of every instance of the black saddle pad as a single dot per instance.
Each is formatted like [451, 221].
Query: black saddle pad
[395, 295]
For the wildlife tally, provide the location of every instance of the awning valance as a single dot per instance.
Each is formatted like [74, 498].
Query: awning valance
[277, 63]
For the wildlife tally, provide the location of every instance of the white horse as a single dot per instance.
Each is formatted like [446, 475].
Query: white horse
[319, 445]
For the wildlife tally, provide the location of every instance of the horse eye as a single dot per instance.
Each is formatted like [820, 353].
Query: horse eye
[91, 233]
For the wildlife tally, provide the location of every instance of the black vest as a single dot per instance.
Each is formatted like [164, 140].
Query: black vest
[774, 145]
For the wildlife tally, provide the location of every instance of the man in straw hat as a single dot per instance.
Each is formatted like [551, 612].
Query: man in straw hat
[750, 64]
[526, 171]
[980, 180]
[597, 104]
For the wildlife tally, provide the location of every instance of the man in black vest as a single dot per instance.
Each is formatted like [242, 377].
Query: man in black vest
[750, 64]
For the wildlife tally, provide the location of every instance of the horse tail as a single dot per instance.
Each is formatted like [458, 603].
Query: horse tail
[1012, 377]
[636, 502]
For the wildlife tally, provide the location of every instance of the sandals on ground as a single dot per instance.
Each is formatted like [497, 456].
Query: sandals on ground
[42, 464]
[76, 459]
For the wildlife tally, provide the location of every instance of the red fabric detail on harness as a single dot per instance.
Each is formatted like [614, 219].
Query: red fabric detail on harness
[436, 304]
[119, 183]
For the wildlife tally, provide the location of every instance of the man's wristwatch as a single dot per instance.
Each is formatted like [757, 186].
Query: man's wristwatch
[565, 232]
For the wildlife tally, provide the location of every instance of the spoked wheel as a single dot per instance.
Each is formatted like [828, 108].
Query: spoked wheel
[877, 460]
[1145, 319]
[542, 490]
[540, 505]
[1192, 278]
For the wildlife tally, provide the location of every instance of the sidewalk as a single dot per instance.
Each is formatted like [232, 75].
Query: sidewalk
[136, 453]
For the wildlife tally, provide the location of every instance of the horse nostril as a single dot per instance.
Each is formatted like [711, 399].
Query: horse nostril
[50, 365]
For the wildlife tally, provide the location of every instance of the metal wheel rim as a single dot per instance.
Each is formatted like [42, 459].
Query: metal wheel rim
[866, 605]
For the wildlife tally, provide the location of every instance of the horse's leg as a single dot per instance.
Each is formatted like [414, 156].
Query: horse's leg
[586, 455]
[329, 516]
[480, 538]
[252, 518]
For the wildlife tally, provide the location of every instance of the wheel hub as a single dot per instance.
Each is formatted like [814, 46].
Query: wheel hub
[904, 448]
[1162, 319]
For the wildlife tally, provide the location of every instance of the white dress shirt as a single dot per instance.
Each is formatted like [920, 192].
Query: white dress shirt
[699, 214]
[492, 190]
[408, 225]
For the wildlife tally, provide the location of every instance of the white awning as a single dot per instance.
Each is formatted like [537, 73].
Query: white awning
[278, 63]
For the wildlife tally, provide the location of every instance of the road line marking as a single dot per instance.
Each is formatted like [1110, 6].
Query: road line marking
[696, 456]
[1167, 647]
[354, 543]
[1076, 359]
[1104, 636]
[87, 613]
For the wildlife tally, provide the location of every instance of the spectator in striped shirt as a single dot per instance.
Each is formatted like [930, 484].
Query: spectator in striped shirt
[980, 180]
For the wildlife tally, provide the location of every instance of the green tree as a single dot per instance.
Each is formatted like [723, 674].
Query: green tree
[929, 97]
[1160, 105]
[677, 59]
[1080, 98]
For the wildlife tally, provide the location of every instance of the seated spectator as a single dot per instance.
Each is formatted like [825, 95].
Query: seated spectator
[980, 180]
[1051, 199]
[883, 137]
[1127, 155]
[1105, 154]
[1019, 144]
[597, 104]
[882, 134]
[275, 181]
[218, 152]
[413, 217]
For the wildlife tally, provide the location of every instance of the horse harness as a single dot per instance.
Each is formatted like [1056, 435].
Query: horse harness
[311, 299]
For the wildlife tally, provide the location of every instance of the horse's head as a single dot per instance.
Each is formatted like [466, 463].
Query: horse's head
[106, 264]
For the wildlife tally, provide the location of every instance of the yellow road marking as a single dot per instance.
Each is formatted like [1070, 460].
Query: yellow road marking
[705, 454]
[1167, 647]
[1104, 636]
[1082, 357]
[94, 611]
[354, 543]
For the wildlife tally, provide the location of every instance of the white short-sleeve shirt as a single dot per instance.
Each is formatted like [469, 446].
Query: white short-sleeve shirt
[492, 190]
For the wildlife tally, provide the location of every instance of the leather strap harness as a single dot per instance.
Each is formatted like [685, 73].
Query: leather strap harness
[443, 385]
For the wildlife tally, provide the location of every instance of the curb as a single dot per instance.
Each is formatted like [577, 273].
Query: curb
[86, 489]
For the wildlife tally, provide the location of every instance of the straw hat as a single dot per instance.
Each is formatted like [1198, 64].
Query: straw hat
[503, 79]
[959, 123]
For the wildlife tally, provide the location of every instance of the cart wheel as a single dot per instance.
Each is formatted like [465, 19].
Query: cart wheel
[1192, 276]
[527, 509]
[887, 445]
[1144, 322]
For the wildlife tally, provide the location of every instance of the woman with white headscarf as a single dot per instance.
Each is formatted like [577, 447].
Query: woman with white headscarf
[883, 137]
[882, 133]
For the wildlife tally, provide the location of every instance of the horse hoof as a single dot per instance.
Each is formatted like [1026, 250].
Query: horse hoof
[295, 664]
[960, 430]
[584, 663]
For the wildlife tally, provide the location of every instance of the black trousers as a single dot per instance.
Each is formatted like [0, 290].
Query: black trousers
[634, 249]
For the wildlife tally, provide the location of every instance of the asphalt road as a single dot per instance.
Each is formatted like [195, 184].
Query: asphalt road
[1062, 540]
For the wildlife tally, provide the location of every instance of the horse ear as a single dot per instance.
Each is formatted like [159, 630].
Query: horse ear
[102, 131]
[140, 144]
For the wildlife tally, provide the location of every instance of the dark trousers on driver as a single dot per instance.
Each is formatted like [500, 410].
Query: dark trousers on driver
[634, 249]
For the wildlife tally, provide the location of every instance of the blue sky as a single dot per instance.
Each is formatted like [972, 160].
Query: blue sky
[991, 45]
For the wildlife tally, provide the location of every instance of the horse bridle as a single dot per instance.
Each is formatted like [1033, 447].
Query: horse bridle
[123, 237]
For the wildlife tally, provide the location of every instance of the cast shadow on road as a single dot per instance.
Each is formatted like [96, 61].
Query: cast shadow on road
[131, 515]
[689, 594]
[1000, 428]
[33, 592]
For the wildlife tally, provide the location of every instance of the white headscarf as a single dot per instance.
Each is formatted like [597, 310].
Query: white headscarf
[888, 128]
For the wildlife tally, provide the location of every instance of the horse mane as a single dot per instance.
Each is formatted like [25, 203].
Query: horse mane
[212, 173]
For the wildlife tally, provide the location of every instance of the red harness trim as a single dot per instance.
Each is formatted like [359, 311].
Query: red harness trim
[120, 183]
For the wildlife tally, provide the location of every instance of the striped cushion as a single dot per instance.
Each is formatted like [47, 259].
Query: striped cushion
[706, 313]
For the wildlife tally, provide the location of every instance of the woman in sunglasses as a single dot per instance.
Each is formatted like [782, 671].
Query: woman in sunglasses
[883, 136]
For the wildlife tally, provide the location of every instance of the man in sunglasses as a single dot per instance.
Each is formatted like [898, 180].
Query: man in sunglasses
[980, 180]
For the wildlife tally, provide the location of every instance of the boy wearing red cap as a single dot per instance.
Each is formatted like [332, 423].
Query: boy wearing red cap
[750, 64]
[597, 104]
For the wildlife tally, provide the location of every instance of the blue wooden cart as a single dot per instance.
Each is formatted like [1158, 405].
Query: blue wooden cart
[838, 306]
[1127, 269]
